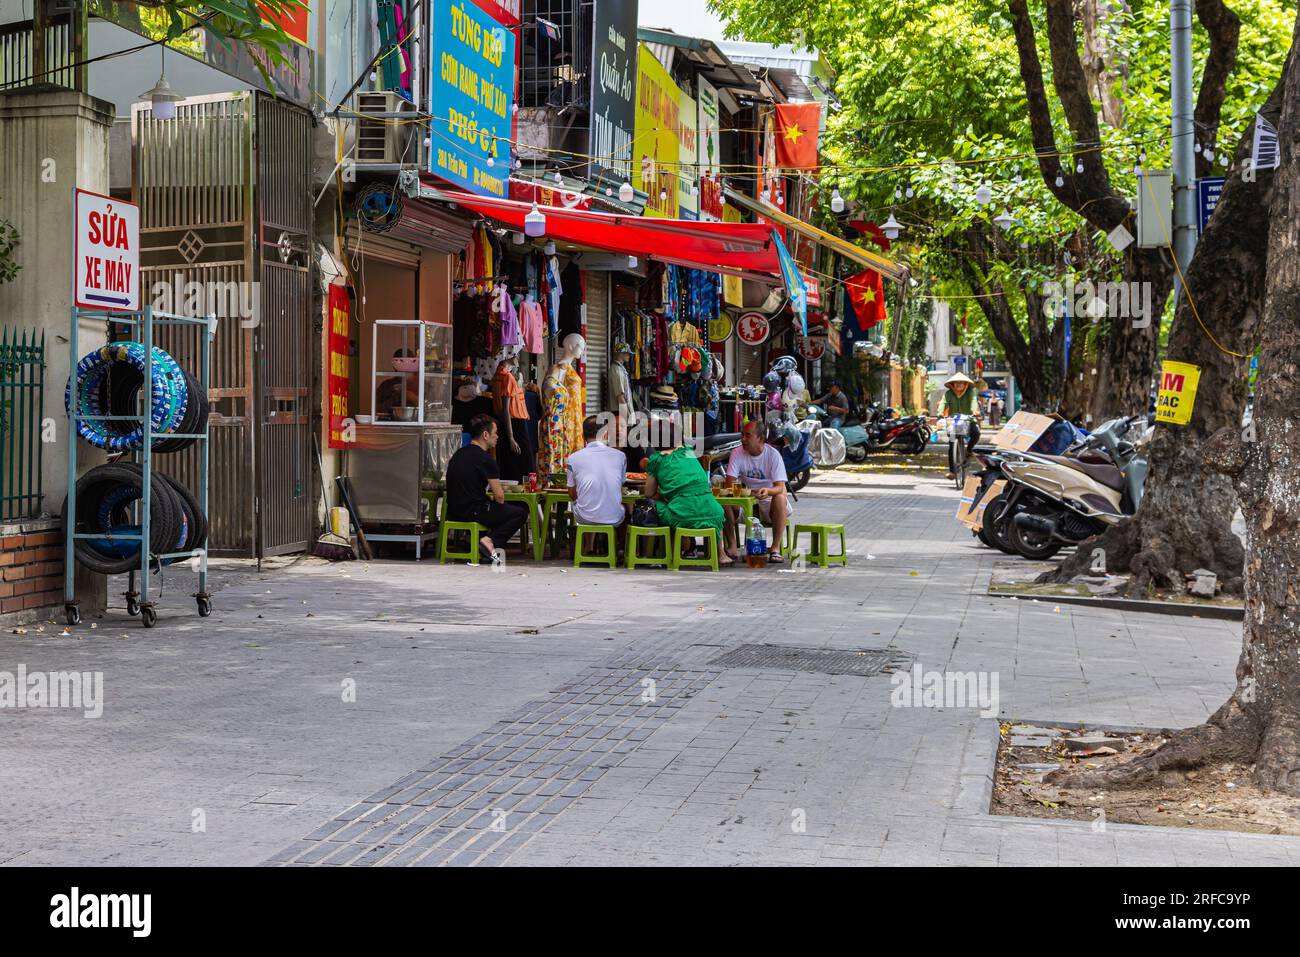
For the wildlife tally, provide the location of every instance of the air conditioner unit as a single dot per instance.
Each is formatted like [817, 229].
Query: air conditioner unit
[385, 138]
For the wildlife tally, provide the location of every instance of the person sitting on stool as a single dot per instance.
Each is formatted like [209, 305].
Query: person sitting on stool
[762, 469]
[474, 492]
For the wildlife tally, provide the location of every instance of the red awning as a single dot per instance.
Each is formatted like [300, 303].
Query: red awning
[741, 247]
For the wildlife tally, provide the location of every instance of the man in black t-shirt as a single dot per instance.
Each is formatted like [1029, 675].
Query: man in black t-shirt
[474, 492]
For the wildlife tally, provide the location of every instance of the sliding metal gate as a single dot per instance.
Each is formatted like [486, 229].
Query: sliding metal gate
[225, 221]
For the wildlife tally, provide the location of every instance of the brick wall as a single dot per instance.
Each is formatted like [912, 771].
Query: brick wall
[31, 566]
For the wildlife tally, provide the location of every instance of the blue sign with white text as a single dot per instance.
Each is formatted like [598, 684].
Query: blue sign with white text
[472, 89]
[1207, 197]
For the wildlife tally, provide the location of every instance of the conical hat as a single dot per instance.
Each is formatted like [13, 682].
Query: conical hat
[958, 377]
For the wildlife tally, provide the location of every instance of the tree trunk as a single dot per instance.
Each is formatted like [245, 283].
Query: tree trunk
[1103, 65]
[1185, 519]
[1260, 722]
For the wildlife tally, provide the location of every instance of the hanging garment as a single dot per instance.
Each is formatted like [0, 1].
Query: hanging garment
[533, 325]
[509, 318]
[554, 289]
[571, 302]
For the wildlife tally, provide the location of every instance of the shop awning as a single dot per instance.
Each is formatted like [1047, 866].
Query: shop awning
[886, 267]
[739, 248]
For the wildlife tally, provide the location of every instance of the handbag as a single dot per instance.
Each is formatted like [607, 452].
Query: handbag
[644, 514]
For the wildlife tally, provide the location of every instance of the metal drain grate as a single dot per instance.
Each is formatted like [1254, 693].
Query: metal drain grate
[823, 661]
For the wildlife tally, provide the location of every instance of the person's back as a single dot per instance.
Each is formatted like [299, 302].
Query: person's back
[596, 473]
[468, 473]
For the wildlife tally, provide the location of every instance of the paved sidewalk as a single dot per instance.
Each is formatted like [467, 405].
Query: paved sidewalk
[544, 715]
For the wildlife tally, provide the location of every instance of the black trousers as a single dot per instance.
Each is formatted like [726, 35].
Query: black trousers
[502, 519]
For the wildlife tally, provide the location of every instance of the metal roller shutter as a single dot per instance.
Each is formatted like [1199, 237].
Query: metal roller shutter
[597, 339]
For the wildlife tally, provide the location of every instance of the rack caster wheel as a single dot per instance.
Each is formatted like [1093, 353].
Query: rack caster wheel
[148, 616]
[132, 606]
[72, 614]
[205, 606]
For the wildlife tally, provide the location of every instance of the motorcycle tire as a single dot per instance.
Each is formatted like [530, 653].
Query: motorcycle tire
[994, 527]
[855, 453]
[799, 479]
[1030, 546]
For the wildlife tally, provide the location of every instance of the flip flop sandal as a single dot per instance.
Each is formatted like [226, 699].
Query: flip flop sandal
[774, 558]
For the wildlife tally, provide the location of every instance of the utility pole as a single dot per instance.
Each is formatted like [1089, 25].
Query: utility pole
[1184, 137]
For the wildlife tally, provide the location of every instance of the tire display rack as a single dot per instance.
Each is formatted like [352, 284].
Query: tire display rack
[141, 324]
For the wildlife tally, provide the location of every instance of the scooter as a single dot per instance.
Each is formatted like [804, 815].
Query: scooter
[1055, 500]
[798, 463]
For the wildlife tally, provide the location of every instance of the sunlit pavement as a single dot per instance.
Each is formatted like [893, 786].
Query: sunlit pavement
[395, 713]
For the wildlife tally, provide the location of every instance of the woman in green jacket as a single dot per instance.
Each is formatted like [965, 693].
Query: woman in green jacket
[683, 498]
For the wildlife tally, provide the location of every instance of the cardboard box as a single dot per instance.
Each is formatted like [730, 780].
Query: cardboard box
[970, 512]
[1021, 431]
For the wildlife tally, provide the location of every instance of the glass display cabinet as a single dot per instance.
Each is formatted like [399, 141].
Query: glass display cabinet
[410, 382]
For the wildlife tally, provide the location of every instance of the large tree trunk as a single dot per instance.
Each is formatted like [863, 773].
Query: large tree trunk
[1104, 65]
[1185, 519]
[1260, 722]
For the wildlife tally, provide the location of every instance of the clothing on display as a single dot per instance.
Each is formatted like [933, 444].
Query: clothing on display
[533, 324]
[560, 432]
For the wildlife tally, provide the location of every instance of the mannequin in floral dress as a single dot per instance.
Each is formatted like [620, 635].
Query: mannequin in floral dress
[560, 431]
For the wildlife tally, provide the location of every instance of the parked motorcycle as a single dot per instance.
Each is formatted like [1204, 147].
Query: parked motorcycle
[1057, 500]
[717, 450]
[798, 460]
[880, 431]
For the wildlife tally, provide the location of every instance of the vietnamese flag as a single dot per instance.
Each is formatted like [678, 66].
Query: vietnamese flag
[796, 134]
[867, 293]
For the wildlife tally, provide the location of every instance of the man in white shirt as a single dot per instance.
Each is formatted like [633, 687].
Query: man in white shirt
[762, 469]
[596, 473]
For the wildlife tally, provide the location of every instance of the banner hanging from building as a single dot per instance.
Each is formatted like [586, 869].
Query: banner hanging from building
[472, 89]
[688, 177]
[655, 141]
[338, 368]
[613, 93]
[708, 151]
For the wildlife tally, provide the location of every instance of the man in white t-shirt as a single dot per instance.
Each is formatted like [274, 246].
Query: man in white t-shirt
[596, 473]
[762, 469]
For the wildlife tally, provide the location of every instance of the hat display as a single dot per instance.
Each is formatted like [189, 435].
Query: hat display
[621, 346]
[663, 394]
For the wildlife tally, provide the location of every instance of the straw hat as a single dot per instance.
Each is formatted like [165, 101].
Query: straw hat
[958, 377]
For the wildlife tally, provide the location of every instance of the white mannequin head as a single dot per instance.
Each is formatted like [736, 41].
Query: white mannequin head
[574, 346]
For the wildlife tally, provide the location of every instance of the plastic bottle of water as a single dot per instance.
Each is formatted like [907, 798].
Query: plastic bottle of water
[756, 545]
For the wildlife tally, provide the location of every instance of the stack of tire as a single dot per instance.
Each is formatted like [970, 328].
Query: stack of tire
[109, 382]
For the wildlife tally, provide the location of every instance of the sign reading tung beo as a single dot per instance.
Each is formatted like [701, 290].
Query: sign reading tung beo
[613, 93]
[472, 87]
[106, 253]
[1176, 396]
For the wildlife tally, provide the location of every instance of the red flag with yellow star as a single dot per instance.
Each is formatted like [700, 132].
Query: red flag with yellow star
[796, 134]
[867, 293]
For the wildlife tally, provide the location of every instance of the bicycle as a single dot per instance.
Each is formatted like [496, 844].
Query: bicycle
[958, 430]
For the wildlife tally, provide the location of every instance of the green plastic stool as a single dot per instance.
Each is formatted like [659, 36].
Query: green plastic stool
[582, 558]
[659, 532]
[710, 535]
[820, 543]
[476, 531]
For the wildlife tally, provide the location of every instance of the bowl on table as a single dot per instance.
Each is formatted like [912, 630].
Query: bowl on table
[405, 413]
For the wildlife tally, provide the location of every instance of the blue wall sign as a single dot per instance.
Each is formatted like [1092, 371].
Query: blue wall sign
[1207, 197]
[472, 88]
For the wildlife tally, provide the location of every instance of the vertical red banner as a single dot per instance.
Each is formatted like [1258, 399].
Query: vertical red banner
[338, 372]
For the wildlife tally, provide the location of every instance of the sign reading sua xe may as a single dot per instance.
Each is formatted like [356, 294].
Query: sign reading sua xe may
[472, 87]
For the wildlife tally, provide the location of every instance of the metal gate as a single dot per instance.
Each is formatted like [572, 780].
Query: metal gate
[283, 336]
[225, 228]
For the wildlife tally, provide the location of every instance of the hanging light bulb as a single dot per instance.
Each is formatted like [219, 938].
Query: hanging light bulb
[162, 96]
[626, 192]
[535, 223]
[428, 141]
[517, 238]
[373, 76]
[559, 180]
[837, 201]
[549, 248]
[1060, 180]
[631, 262]
[891, 227]
[1209, 156]
[1142, 156]
[1004, 220]
[909, 192]
[519, 164]
[1223, 160]
[663, 195]
[984, 194]
[695, 189]
[1078, 167]
[514, 108]
[898, 193]
[1196, 147]
[490, 161]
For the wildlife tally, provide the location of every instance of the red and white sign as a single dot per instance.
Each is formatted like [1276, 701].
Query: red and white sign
[106, 253]
[811, 348]
[753, 328]
[814, 290]
[526, 192]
